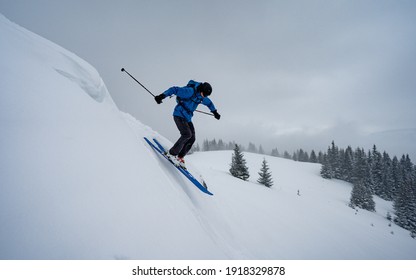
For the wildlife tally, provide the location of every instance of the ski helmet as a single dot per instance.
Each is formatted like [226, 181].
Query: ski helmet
[205, 88]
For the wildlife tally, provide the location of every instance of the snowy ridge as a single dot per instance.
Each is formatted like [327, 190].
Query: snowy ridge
[78, 181]
[74, 175]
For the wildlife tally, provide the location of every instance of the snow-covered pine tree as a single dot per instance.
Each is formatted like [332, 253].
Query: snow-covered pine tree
[361, 194]
[230, 145]
[395, 176]
[387, 173]
[286, 155]
[402, 205]
[295, 156]
[239, 168]
[251, 148]
[412, 216]
[320, 157]
[361, 197]
[331, 165]
[275, 153]
[221, 145]
[377, 172]
[347, 163]
[302, 155]
[265, 175]
[405, 200]
[213, 145]
[326, 169]
[333, 160]
[205, 145]
[313, 158]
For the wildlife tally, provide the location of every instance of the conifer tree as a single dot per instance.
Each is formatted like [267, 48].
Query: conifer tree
[377, 172]
[405, 200]
[286, 155]
[239, 168]
[295, 156]
[230, 145]
[251, 148]
[320, 157]
[221, 145]
[395, 175]
[265, 175]
[213, 145]
[387, 175]
[302, 155]
[333, 160]
[361, 197]
[313, 158]
[326, 169]
[361, 194]
[205, 145]
[347, 165]
[275, 153]
[331, 165]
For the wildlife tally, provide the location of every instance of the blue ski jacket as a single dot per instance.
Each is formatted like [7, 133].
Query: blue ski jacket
[188, 99]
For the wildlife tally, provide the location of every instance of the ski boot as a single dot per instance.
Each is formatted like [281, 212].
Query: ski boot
[181, 162]
[173, 159]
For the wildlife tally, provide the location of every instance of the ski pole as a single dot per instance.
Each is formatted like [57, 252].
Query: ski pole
[131, 76]
[202, 112]
[124, 70]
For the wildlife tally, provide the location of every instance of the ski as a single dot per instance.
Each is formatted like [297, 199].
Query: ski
[161, 150]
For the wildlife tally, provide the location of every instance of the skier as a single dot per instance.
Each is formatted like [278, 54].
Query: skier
[188, 98]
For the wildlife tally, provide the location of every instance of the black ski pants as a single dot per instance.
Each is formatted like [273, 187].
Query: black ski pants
[187, 139]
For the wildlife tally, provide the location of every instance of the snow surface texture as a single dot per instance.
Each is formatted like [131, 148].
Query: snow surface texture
[77, 181]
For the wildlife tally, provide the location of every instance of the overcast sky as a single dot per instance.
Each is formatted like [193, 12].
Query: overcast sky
[285, 74]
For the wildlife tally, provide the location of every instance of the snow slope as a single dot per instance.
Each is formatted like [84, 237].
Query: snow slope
[77, 181]
[278, 223]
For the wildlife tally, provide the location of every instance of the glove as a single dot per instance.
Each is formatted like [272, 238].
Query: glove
[159, 98]
[216, 115]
